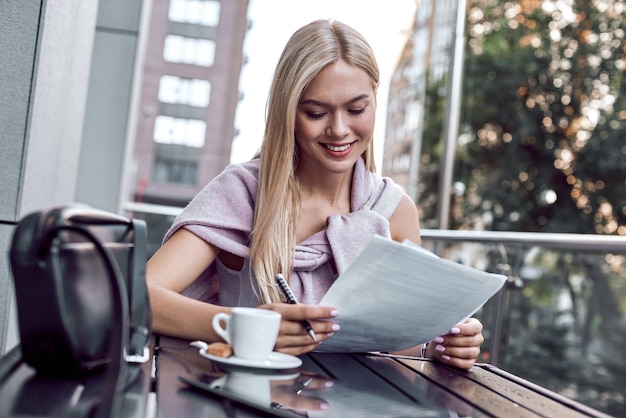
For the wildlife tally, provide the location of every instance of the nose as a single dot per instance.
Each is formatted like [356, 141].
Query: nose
[337, 126]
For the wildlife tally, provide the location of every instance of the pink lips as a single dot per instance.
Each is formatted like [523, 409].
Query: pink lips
[341, 153]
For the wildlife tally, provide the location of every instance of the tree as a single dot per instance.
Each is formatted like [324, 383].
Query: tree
[544, 117]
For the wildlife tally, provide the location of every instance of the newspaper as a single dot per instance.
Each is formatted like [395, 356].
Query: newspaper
[399, 295]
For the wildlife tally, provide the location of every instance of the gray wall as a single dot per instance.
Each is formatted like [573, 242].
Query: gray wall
[44, 71]
[20, 23]
[103, 152]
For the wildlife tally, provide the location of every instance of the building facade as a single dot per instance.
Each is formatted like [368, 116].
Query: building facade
[188, 97]
[425, 62]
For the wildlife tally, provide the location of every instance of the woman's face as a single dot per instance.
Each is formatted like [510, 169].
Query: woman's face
[335, 118]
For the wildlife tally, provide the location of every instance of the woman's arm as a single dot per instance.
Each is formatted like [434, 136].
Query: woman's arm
[170, 271]
[179, 262]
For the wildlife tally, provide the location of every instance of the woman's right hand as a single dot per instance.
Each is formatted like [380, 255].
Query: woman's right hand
[292, 337]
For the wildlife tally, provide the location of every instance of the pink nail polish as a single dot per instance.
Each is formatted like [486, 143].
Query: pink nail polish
[445, 357]
[440, 348]
[455, 330]
[438, 340]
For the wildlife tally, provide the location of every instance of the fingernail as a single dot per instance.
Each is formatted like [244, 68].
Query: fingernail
[438, 340]
[330, 334]
[445, 357]
[329, 384]
[336, 327]
[334, 313]
[440, 348]
[455, 330]
[323, 406]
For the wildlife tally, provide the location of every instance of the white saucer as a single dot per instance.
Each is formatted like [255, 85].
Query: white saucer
[275, 361]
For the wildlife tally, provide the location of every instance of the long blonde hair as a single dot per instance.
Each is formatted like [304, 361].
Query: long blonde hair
[308, 51]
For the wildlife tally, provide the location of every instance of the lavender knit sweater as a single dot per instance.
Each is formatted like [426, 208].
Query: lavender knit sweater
[222, 214]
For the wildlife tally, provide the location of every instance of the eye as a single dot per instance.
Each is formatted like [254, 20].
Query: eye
[315, 115]
[356, 111]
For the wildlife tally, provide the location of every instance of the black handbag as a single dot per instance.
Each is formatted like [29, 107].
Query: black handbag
[80, 289]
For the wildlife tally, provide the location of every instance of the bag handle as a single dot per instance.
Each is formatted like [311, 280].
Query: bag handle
[114, 379]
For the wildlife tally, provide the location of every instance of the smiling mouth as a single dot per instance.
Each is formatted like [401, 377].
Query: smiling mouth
[338, 148]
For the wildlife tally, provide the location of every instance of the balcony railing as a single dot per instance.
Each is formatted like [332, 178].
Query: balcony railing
[559, 321]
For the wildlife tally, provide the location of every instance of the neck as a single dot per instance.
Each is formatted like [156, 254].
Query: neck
[332, 188]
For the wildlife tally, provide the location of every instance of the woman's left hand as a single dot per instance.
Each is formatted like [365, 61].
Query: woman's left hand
[460, 346]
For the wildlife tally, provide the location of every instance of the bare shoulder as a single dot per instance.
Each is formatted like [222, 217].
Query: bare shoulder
[404, 223]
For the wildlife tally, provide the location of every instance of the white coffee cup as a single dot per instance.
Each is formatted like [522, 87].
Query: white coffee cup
[252, 332]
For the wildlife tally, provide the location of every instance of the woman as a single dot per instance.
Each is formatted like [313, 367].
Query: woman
[304, 206]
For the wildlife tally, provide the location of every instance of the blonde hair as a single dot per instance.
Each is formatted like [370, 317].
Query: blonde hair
[308, 51]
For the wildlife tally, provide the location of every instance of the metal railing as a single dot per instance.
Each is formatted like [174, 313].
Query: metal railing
[503, 240]
[552, 240]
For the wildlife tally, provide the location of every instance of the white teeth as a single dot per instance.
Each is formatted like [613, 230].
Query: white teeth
[338, 149]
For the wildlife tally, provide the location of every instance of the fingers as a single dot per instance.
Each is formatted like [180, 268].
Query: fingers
[470, 326]
[300, 342]
[463, 364]
[463, 357]
[466, 334]
[293, 338]
[318, 317]
[461, 346]
[296, 328]
[300, 312]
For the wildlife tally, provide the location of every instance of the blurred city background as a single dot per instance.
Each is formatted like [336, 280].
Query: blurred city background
[505, 121]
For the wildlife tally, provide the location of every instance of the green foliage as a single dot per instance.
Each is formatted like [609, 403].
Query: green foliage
[543, 120]
[430, 160]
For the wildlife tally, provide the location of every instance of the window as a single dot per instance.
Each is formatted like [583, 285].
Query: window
[193, 92]
[169, 170]
[176, 131]
[180, 49]
[401, 163]
[201, 12]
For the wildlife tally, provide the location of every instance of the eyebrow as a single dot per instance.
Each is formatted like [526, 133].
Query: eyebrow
[322, 104]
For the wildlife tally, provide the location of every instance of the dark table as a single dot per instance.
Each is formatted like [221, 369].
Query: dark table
[363, 385]
[178, 382]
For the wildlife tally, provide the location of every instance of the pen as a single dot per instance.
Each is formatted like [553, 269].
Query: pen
[284, 287]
